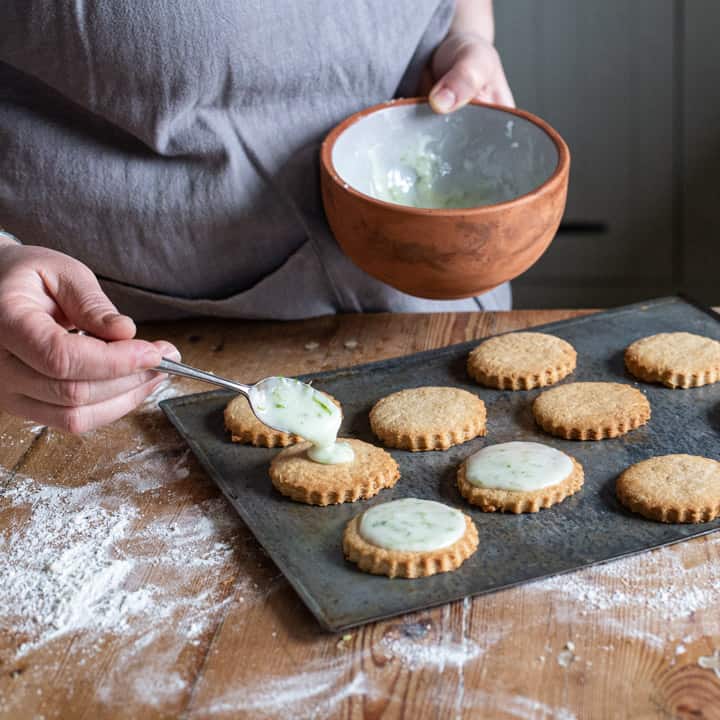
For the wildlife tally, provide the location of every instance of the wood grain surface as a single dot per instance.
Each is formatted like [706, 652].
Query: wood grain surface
[222, 635]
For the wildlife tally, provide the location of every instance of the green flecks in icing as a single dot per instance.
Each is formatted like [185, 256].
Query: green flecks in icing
[412, 525]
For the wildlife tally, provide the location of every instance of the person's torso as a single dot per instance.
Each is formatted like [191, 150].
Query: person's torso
[172, 146]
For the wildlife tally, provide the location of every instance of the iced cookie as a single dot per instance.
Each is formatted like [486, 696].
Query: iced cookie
[428, 418]
[410, 538]
[678, 360]
[518, 477]
[244, 427]
[521, 361]
[591, 410]
[672, 488]
[295, 474]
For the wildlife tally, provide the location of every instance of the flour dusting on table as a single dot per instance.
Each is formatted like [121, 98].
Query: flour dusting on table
[77, 562]
[655, 583]
[141, 551]
[132, 555]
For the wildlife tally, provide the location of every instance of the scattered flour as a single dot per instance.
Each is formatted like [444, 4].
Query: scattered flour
[166, 389]
[567, 655]
[711, 662]
[74, 565]
[655, 583]
[106, 561]
[516, 706]
[148, 468]
[90, 562]
[313, 695]
[438, 654]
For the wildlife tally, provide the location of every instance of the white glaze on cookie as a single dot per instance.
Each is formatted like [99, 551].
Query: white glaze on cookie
[412, 525]
[338, 453]
[518, 466]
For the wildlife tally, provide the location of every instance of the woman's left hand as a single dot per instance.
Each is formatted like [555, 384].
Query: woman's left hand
[465, 67]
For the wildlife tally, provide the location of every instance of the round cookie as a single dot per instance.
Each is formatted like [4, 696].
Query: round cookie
[518, 477]
[410, 538]
[245, 427]
[672, 488]
[678, 360]
[428, 418]
[295, 475]
[591, 410]
[521, 361]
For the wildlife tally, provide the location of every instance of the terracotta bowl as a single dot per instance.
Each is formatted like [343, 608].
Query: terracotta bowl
[493, 182]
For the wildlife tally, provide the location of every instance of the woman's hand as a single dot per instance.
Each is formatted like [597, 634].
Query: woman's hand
[55, 377]
[466, 66]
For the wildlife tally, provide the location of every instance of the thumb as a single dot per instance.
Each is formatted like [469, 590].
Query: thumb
[86, 306]
[457, 87]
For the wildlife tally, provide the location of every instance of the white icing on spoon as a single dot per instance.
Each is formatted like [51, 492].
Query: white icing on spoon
[518, 466]
[297, 408]
[284, 404]
[412, 525]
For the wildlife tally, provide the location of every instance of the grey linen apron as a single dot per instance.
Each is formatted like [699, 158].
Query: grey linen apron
[172, 146]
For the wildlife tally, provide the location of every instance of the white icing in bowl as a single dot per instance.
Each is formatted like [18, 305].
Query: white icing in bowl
[478, 155]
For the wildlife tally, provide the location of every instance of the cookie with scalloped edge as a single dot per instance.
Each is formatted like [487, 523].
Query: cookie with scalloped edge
[672, 488]
[591, 410]
[410, 538]
[518, 477]
[677, 359]
[298, 477]
[521, 361]
[245, 427]
[428, 418]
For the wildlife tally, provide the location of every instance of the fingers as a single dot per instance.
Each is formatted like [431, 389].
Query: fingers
[456, 88]
[68, 393]
[73, 393]
[469, 69]
[36, 339]
[69, 380]
[84, 304]
[83, 418]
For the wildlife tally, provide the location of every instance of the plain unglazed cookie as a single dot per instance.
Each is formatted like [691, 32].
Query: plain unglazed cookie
[428, 418]
[295, 475]
[521, 361]
[678, 359]
[410, 538]
[518, 477]
[591, 410]
[672, 488]
[244, 426]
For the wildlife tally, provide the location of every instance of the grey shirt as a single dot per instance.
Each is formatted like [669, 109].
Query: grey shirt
[172, 146]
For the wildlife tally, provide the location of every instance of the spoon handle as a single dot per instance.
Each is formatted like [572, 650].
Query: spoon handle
[175, 368]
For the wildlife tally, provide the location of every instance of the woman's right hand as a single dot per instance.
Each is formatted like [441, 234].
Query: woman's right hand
[67, 380]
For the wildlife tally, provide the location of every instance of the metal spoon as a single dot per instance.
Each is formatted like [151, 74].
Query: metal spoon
[176, 368]
[249, 391]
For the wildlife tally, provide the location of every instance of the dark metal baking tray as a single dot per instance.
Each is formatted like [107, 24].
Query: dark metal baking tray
[588, 528]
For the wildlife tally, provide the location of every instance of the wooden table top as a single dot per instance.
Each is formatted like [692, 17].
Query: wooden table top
[129, 588]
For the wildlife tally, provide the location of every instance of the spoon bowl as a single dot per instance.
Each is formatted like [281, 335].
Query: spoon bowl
[284, 404]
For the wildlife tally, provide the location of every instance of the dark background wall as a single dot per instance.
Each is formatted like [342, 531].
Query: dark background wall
[634, 88]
